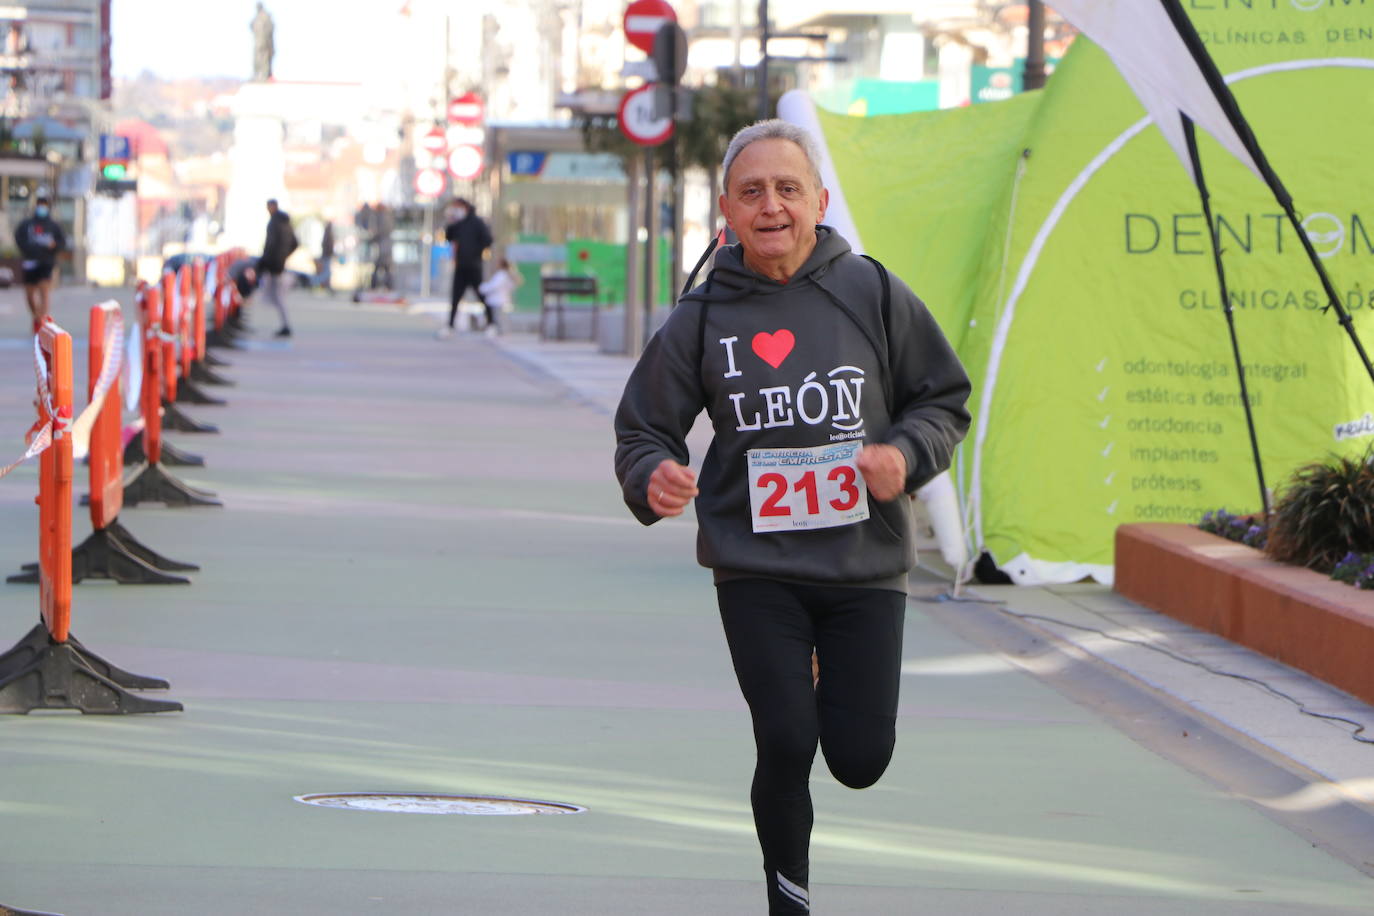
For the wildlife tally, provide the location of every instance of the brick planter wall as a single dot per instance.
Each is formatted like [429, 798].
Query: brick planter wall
[1295, 615]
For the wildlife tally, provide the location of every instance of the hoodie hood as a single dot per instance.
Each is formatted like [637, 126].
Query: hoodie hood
[731, 279]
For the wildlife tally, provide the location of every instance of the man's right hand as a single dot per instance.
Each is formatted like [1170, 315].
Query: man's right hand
[671, 487]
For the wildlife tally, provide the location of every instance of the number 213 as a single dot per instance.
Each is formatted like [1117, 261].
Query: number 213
[843, 475]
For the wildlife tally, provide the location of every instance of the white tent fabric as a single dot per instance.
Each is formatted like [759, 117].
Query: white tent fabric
[1146, 47]
[796, 107]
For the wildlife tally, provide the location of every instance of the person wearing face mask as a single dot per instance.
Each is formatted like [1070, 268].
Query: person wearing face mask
[40, 240]
[470, 237]
[833, 396]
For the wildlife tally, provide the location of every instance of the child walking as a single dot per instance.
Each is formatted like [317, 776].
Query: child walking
[497, 291]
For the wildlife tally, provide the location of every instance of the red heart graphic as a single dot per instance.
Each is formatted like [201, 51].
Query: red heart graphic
[773, 348]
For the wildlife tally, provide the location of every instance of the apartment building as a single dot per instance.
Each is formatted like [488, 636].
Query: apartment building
[54, 83]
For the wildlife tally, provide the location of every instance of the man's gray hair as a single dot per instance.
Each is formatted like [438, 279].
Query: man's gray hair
[773, 129]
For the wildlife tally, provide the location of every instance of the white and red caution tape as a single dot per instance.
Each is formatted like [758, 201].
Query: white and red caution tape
[60, 422]
[40, 435]
[39, 438]
[109, 371]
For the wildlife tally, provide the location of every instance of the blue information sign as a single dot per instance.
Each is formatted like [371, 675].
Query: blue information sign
[113, 146]
[526, 162]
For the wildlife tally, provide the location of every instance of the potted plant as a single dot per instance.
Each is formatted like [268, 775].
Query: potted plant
[1268, 583]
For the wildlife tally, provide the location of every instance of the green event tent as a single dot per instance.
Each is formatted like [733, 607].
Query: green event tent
[1062, 246]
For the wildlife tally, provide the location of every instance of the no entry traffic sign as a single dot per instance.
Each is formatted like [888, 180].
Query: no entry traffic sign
[642, 19]
[638, 119]
[466, 109]
[434, 141]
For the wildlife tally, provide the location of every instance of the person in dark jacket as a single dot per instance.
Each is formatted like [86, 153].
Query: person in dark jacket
[383, 223]
[276, 248]
[833, 395]
[324, 264]
[470, 237]
[40, 240]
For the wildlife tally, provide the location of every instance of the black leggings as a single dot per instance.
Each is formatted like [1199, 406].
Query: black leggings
[772, 628]
[464, 276]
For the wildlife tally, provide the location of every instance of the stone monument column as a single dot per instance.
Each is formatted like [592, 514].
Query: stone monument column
[258, 157]
[257, 165]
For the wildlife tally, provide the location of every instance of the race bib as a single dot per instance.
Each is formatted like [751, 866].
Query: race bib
[801, 489]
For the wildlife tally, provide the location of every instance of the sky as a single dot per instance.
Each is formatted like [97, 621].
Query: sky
[316, 40]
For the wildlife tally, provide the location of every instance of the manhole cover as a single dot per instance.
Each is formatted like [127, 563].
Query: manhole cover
[437, 804]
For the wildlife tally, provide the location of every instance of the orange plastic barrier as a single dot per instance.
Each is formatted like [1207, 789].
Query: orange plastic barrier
[106, 456]
[221, 291]
[49, 668]
[154, 361]
[198, 328]
[226, 293]
[227, 303]
[111, 551]
[185, 324]
[167, 342]
[209, 281]
[55, 482]
[151, 482]
[191, 286]
[173, 324]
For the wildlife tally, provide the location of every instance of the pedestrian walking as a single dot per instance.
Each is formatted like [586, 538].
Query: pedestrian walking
[40, 240]
[833, 395]
[324, 265]
[383, 224]
[276, 248]
[497, 292]
[470, 237]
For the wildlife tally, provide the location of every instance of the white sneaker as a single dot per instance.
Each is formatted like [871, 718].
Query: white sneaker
[444, 333]
[492, 330]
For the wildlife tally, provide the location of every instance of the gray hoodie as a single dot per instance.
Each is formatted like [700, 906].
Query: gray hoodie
[807, 363]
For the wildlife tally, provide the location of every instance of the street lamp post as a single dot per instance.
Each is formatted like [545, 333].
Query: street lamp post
[761, 74]
[1034, 75]
[765, 102]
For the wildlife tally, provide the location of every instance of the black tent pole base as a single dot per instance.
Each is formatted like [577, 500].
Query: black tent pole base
[152, 484]
[172, 456]
[201, 372]
[189, 393]
[38, 673]
[173, 418]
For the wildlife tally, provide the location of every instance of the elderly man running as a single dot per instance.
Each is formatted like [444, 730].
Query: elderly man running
[833, 395]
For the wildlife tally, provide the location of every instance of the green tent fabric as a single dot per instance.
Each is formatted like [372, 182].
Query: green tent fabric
[1062, 246]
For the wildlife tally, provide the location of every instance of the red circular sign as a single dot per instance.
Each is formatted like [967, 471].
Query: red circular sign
[429, 182]
[466, 109]
[638, 120]
[642, 19]
[465, 162]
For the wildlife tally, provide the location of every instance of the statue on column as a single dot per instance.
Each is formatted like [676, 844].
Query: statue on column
[262, 45]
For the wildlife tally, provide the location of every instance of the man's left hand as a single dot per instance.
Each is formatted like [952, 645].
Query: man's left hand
[884, 470]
